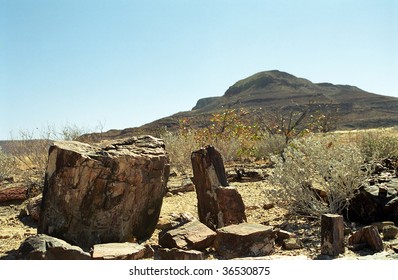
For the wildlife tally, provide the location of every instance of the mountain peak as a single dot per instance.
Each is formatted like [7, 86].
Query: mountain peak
[265, 79]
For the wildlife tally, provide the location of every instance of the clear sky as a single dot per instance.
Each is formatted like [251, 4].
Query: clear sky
[127, 63]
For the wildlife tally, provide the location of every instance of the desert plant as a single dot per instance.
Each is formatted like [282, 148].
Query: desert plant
[379, 144]
[7, 165]
[179, 145]
[318, 175]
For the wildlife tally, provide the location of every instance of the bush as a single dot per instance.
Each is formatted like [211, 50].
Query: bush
[7, 165]
[317, 175]
[179, 145]
[379, 144]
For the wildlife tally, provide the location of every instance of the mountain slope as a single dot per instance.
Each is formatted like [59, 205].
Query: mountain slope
[276, 90]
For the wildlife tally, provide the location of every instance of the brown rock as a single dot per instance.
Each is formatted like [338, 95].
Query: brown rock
[174, 220]
[244, 240]
[191, 236]
[44, 247]
[119, 251]
[104, 194]
[218, 204]
[332, 234]
[13, 192]
[33, 207]
[178, 254]
[381, 225]
[283, 234]
[390, 232]
[368, 235]
[292, 243]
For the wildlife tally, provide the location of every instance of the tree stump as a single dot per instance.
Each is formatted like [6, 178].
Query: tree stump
[218, 204]
[332, 234]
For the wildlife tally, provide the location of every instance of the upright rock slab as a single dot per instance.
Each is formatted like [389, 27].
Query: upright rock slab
[103, 194]
[218, 204]
[332, 234]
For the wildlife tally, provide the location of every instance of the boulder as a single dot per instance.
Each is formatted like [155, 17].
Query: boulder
[369, 236]
[119, 251]
[219, 204]
[377, 199]
[190, 236]
[178, 254]
[373, 203]
[44, 247]
[244, 240]
[111, 192]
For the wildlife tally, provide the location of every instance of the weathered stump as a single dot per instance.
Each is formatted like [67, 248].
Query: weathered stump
[103, 194]
[218, 204]
[332, 234]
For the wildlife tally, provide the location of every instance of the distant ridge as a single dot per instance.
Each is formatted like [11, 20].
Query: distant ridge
[270, 90]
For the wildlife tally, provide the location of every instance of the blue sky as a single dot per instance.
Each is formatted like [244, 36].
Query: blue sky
[127, 63]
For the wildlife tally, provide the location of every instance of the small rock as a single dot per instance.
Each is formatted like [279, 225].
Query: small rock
[268, 206]
[118, 251]
[292, 244]
[33, 207]
[192, 235]
[390, 232]
[283, 234]
[178, 254]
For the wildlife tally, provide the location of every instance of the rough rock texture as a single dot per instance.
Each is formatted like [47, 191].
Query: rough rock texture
[218, 204]
[377, 200]
[369, 236]
[292, 244]
[178, 254]
[44, 247]
[174, 220]
[191, 236]
[332, 234]
[390, 232]
[245, 240]
[13, 192]
[103, 194]
[119, 251]
[33, 207]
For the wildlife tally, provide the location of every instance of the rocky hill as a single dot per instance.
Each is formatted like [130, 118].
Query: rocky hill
[275, 90]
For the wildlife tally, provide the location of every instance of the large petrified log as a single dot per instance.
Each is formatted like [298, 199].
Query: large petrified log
[103, 194]
[218, 204]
